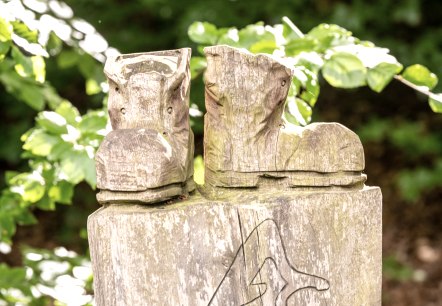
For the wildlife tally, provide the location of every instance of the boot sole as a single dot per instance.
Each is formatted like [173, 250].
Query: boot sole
[149, 196]
[288, 179]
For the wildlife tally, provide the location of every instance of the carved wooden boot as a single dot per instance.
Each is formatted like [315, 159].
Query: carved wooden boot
[247, 144]
[148, 157]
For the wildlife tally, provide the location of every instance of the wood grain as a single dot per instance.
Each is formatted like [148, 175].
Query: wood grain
[246, 138]
[148, 157]
[259, 248]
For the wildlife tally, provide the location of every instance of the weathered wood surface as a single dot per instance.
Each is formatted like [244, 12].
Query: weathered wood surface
[246, 138]
[148, 157]
[254, 248]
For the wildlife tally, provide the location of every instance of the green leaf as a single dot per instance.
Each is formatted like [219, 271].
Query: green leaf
[311, 88]
[92, 87]
[14, 278]
[198, 166]
[39, 68]
[62, 192]
[4, 48]
[344, 70]
[305, 44]
[297, 112]
[263, 46]
[197, 66]
[92, 122]
[67, 59]
[253, 34]
[26, 90]
[420, 76]
[379, 76]
[229, 37]
[435, 101]
[310, 60]
[26, 217]
[51, 96]
[46, 203]
[23, 64]
[76, 166]
[52, 122]
[40, 143]
[69, 112]
[60, 150]
[330, 35]
[25, 32]
[203, 33]
[5, 30]
[30, 186]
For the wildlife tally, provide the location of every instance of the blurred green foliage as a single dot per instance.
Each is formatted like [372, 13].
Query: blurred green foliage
[52, 91]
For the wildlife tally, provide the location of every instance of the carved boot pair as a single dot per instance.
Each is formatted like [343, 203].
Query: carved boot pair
[246, 141]
[148, 157]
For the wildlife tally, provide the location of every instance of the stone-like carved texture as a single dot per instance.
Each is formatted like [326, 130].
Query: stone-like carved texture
[148, 157]
[246, 142]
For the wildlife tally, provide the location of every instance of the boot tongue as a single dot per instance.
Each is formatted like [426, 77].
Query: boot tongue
[165, 65]
[122, 66]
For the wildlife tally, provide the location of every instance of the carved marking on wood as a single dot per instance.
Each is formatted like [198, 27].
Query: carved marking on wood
[263, 271]
[247, 140]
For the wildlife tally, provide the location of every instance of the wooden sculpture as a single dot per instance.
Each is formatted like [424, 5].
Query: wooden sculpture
[148, 157]
[246, 141]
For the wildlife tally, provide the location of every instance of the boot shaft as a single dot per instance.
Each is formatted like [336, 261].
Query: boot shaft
[239, 84]
[246, 141]
[149, 90]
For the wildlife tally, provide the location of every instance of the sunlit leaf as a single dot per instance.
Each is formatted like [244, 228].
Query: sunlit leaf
[76, 166]
[198, 173]
[40, 143]
[62, 192]
[263, 46]
[39, 68]
[52, 122]
[420, 76]
[344, 70]
[329, 35]
[305, 44]
[297, 112]
[4, 48]
[379, 76]
[60, 150]
[197, 66]
[435, 101]
[311, 89]
[203, 33]
[23, 64]
[69, 112]
[253, 34]
[229, 37]
[30, 186]
[92, 122]
[92, 87]
[25, 32]
[5, 30]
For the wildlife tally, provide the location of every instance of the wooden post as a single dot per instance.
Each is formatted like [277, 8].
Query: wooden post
[302, 229]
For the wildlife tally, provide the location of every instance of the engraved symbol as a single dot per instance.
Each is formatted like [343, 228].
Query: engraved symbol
[263, 271]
